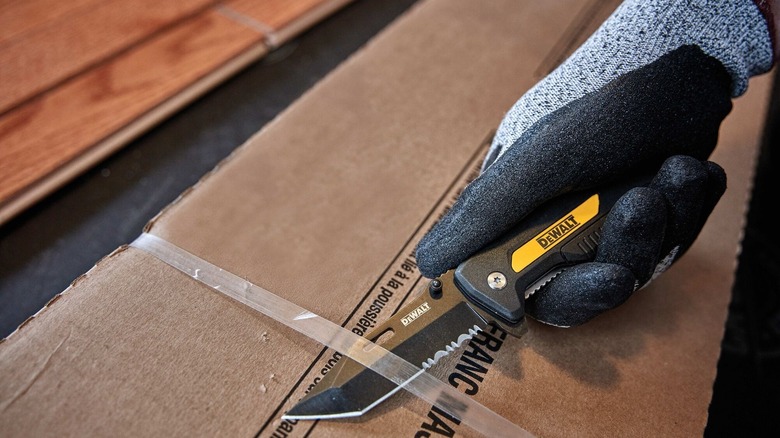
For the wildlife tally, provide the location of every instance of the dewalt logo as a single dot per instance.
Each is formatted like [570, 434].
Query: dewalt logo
[572, 221]
[558, 231]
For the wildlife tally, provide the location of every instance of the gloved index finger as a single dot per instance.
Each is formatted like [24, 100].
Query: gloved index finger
[489, 206]
[572, 148]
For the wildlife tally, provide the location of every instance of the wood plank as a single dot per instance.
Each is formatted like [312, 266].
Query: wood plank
[18, 17]
[54, 129]
[48, 54]
[285, 18]
[276, 14]
[52, 137]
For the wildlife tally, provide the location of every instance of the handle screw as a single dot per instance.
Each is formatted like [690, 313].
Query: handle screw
[434, 287]
[496, 280]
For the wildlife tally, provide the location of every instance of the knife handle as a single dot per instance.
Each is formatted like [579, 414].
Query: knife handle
[562, 232]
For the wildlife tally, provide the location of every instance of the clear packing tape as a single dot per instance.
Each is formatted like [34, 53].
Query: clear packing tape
[380, 360]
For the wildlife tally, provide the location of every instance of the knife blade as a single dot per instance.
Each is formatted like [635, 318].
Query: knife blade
[489, 287]
[442, 318]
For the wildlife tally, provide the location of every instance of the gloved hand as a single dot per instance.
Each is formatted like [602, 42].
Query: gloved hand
[648, 90]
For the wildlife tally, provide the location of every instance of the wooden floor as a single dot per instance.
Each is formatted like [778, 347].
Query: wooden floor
[81, 78]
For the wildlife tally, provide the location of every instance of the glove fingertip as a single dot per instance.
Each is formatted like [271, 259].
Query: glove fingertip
[581, 293]
[429, 265]
[717, 180]
[680, 171]
[633, 232]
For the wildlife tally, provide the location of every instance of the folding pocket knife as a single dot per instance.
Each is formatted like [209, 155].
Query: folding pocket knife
[489, 287]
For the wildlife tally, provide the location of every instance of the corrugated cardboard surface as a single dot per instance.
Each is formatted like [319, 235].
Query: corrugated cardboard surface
[324, 207]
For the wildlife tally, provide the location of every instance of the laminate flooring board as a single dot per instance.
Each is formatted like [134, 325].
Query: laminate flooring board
[54, 129]
[46, 55]
[18, 17]
[80, 79]
[284, 19]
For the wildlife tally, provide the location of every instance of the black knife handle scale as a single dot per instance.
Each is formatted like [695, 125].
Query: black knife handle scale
[560, 233]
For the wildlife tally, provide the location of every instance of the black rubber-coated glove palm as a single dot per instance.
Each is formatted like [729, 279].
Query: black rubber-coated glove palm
[664, 116]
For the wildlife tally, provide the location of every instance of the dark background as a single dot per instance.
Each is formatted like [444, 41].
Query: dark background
[60, 238]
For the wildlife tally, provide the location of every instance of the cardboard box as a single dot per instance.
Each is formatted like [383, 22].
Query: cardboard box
[322, 207]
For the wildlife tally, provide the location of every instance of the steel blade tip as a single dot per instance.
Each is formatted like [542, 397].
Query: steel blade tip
[330, 403]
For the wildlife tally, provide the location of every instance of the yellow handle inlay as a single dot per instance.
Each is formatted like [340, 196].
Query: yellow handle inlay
[555, 233]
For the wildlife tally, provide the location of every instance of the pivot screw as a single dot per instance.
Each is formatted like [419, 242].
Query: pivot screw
[434, 288]
[496, 280]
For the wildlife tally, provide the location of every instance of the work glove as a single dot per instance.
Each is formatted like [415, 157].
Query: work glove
[647, 92]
